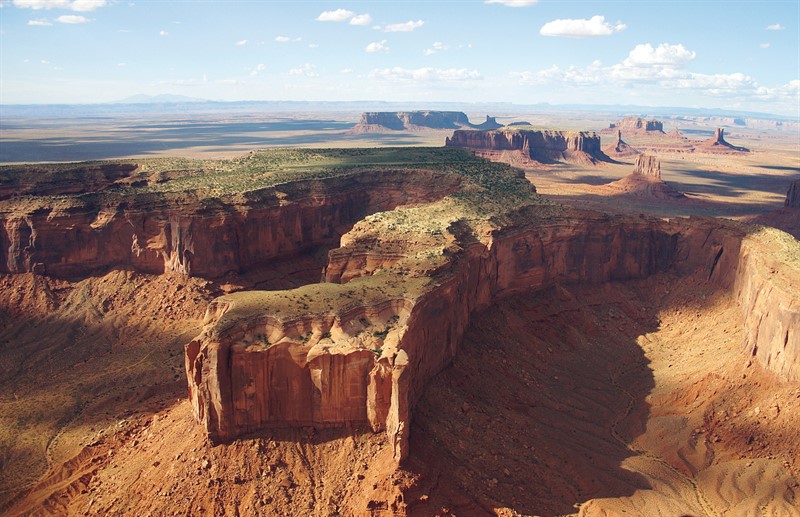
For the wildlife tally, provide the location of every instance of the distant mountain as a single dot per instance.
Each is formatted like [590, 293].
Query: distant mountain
[158, 99]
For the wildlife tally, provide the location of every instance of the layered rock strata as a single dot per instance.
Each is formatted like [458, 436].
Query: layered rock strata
[318, 368]
[185, 233]
[541, 146]
[647, 165]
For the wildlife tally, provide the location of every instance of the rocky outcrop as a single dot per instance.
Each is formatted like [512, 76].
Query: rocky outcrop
[718, 145]
[541, 146]
[528, 255]
[180, 232]
[414, 120]
[647, 165]
[793, 195]
[620, 149]
[637, 125]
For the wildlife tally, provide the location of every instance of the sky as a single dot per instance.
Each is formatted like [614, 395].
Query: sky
[699, 53]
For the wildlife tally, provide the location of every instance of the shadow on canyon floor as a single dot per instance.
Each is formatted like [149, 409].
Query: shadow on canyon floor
[146, 139]
[537, 410]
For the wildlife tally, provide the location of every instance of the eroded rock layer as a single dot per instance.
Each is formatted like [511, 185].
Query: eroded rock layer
[542, 146]
[187, 233]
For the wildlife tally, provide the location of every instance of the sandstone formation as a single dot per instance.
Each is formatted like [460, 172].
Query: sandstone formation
[718, 145]
[793, 195]
[540, 146]
[637, 125]
[647, 165]
[644, 182]
[180, 232]
[416, 120]
[361, 346]
[620, 149]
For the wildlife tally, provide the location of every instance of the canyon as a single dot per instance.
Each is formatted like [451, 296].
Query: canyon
[415, 247]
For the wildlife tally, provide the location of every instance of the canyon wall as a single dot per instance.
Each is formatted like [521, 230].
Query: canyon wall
[201, 237]
[543, 146]
[388, 376]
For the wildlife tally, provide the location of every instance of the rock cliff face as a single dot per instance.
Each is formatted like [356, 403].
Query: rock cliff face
[793, 195]
[207, 238]
[411, 120]
[237, 388]
[647, 165]
[542, 146]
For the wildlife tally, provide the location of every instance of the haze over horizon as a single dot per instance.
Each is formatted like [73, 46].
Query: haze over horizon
[706, 54]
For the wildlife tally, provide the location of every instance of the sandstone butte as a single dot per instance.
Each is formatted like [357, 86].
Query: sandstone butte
[717, 144]
[636, 125]
[380, 121]
[543, 146]
[427, 238]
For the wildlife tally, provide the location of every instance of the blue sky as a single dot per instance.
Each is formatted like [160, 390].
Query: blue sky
[725, 54]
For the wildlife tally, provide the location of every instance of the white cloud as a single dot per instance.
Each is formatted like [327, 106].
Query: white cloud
[122, 64]
[163, 33]
[764, 45]
[339, 15]
[775, 27]
[404, 27]
[258, 69]
[44, 62]
[426, 74]
[663, 55]
[287, 39]
[512, 3]
[361, 19]
[72, 19]
[437, 46]
[76, 5]
[42, 22]
[346, 71]
[377, 46]
[662, 70]
[306, 70]
[87, 5]
[580, 28]
[313, 45]
[241, 43]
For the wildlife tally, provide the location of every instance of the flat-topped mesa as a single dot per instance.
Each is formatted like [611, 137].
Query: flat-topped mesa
[541, 146]
[793, 195]
[647, 165]
[189, 233]
[637, 125]
[718, 145]
[377, 121]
